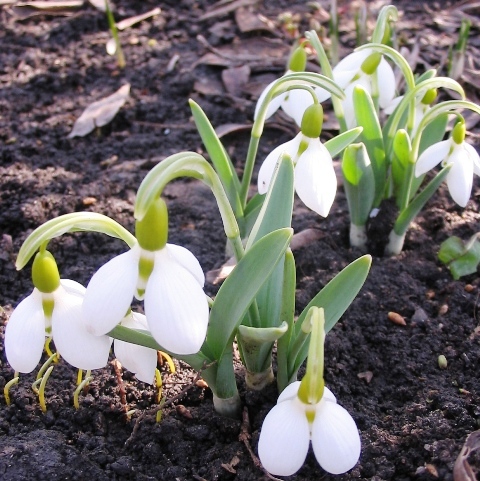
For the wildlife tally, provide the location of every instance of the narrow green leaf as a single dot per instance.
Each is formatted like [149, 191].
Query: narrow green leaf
[241, 286]
[335, 298]
[372, 138]
[341, 141]
[220, 159]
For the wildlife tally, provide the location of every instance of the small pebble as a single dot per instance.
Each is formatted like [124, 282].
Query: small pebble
[430, 294]
[396, 318]
[469, 288]
[183, 411]
[443, 310]
[202, 384]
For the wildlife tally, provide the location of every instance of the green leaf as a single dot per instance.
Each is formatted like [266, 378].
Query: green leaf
[251, 213]
[372, 138]
[241, 286]
[462, 259]
[338, 143]
[75, 222]
[359, 183]
[335, 298]
[220, 159]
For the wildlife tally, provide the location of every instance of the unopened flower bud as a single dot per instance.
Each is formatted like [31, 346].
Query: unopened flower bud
[152, 230]
[45, 275]
[370, 64]
[298, 60]
[312, 121]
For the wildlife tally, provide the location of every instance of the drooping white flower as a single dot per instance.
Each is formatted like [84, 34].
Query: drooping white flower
[29, 324]
[140, 360]
[176, 307]
[291, 425]
[359, 68]
[462, 156]
[315, 179]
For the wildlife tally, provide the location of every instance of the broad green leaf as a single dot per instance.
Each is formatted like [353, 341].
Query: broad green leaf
[276, 213]
[241, 286]
[218, 155]
[372, 138]
[339, 142]
[335, 298]
[251, 213]
[75, 222]
[462, 259]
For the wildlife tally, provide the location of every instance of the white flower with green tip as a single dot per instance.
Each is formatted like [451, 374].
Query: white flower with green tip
[53, 308]
[358, 68]
[307, 411]
[315, 179]
[168, 277]
[140, 360]
[291, 425]
[462, 157]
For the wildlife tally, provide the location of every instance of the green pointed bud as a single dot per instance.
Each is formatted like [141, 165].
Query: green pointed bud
[402, 147]
[312, 121]
[355, 163]
[152, 230]
[312, 385]
[370, 64]
[459, 131]
[45, 275]
[298, 60]
[429, 97]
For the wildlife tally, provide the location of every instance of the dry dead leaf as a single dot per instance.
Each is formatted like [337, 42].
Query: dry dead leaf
[100, 113]
[235, 78]
[226, 129]
[462, 471]
[220, 8]
[250, 21]
[128, 22]
[25, 10]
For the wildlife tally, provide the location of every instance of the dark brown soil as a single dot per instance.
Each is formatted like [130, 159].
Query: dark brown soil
[412, 415]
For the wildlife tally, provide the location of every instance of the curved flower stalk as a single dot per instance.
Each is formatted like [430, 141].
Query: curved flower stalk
[464, 160]
[293, 102]
[54, 308]
[140, 360]
[167, 276]
[307, 411]
[315, 179]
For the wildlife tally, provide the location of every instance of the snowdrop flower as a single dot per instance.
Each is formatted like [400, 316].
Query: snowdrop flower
[463, 158]
[293, 102]
[53, 308]
[291, 425]
[140, 360]
[315, 179]
[358, 68]
[168, 277]
[308, 411]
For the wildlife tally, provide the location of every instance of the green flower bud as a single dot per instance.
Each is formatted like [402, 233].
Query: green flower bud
[298, 60]
[459, 131]
[371, 63]
[429, 97]
[45, 275]
[152, 230]
[312, 121]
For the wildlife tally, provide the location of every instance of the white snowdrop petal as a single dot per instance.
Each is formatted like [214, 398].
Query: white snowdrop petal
[110, 292]
[432, 156]
[315, 179]
[176, 308]
[185, 258]
[25, 334]
[140, 360]
[322, 94]
[386, 83]
[460, 177]
[295, 103]
[274, 104]
[289, 393]
[73, 287]
[335, 438]
[284, 439]
[392, 105]
[268, 167]
[74, 343]
[474, 157]
[351, 62]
